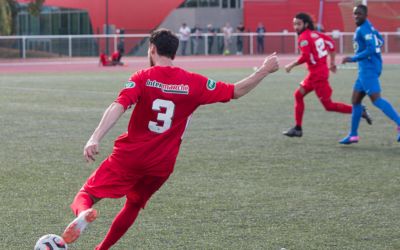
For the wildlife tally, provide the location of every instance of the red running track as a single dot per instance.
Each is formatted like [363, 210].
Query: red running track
[135, 63]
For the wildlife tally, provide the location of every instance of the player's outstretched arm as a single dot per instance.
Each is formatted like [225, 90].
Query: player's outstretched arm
[110, 117]
[346, 59]
[291, 65]
[244, 86]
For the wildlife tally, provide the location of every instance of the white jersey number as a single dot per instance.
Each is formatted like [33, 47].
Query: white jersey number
[320, 45]
[377, 44]
[164, 118]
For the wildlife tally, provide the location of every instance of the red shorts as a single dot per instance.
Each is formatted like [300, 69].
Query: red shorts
[320, 85]
[106, 182]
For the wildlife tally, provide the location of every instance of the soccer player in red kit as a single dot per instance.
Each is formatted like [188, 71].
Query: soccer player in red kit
[113, 61]
[314, 47]
[143, 158]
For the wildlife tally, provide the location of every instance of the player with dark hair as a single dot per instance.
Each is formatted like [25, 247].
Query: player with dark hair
[144, 157]
[307, 21]
[315, 48]
[367, 44]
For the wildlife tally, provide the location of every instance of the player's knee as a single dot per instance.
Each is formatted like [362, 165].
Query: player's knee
[135, 200]
[378, 102]
[328, 105]
[298, 95]
[376, 99]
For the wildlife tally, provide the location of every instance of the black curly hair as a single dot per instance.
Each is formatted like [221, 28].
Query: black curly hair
[306, 18]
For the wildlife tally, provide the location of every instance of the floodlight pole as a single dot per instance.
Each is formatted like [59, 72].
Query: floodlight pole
[320, 15]
[107, 27]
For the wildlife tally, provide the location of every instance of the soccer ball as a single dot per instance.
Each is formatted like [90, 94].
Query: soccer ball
[50, 242]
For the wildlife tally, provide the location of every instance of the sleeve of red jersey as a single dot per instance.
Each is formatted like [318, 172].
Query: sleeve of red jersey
[132, 91]
[330, 44]
[212, 91]
[304, 47]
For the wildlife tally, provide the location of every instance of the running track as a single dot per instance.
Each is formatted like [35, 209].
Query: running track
[136, 63]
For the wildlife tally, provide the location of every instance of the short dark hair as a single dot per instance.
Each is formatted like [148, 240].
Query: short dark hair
[166, 42]
[363, 7]
[306, 18]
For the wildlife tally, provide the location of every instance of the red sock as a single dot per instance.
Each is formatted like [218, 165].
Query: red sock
[82, 202]
[298, 107]
[121, 223]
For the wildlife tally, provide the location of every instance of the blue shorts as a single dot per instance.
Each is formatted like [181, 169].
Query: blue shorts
[367, 83]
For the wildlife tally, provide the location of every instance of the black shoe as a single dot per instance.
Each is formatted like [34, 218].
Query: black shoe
[366, 116]
[293, 132]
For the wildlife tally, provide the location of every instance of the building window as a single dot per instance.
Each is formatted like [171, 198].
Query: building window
[204, 3]
[53, 21]
[214, 3]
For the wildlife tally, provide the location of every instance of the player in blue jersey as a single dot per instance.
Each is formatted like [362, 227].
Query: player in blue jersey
[367, 45]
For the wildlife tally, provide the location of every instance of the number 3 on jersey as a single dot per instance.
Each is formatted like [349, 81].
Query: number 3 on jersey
[164, 118]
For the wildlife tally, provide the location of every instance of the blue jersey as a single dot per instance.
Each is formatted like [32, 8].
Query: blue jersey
[367, 47]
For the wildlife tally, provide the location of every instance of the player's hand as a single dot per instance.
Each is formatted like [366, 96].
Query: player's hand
[270, 64]
[288, 68]
[333, 68]
[91, 149]
[346, 59]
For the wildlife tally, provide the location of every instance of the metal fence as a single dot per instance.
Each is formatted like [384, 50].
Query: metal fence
[198, 44]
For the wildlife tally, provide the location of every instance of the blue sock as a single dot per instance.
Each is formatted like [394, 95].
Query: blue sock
[388, 109]
[355, 118]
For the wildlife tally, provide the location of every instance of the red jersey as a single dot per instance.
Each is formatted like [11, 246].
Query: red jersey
[165, 99]
[103, 59]
[115, 56]
[314, 47]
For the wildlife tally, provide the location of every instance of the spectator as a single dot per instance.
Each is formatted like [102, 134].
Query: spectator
[121, 47]
[239, 41]
[184, 34]
[227, 30]
[220, 41]
[210, 38]
[260, 38]
[196, 31]
[121, 43]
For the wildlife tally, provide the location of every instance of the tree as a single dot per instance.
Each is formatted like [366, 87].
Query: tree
[35, 6]
[8, 13]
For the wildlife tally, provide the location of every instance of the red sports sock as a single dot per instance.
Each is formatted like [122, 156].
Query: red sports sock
[82, 202]
[121, 223]
[298, 107]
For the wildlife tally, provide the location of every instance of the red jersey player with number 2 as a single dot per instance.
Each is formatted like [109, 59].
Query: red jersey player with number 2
[143, 158]
[315, 47]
